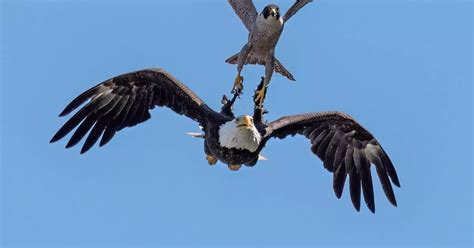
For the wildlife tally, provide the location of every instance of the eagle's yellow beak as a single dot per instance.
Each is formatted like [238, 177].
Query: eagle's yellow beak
[245, 121]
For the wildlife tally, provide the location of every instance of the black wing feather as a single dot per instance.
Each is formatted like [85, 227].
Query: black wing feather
[387, 163]
[94, 135]
[82, 130]
[125, 101]
[322, 135]
[71, 123]
[112, 121]
[330, 154]
[354, 187]
[384, 180]
[132, 115]
[349, 159]
[140, 114]
[339, 179]
[340, 154]
[346, 149]
[78, 101]
[363, 168]
[321, 147]
[121, 119]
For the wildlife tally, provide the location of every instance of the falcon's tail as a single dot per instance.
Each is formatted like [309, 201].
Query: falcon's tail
[277, 66]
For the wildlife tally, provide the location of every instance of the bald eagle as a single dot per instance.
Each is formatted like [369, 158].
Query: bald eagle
[344, 146]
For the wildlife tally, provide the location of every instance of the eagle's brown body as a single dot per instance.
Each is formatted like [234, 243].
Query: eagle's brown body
[344, 146]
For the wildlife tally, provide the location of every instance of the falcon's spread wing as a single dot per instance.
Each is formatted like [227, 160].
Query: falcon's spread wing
[295, 8]
[125, 101]
[345, 148]
[246, 10]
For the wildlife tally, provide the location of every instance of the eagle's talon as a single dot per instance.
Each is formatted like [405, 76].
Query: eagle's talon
[211, 160]
[234, 167]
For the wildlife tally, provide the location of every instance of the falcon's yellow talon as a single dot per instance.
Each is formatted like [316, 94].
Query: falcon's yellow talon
[211, 160]
[260, 97]
[238, 84]
[234, 167]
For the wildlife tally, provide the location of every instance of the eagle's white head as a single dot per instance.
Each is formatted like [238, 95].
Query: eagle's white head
[240, 133]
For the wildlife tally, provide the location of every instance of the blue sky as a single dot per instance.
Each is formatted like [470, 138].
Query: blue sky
[401, 68]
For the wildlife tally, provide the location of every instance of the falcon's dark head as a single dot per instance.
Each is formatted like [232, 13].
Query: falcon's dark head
[271, 10]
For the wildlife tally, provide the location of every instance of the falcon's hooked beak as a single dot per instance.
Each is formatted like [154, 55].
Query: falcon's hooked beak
[271, 10]
[274, 12]
[245, 122]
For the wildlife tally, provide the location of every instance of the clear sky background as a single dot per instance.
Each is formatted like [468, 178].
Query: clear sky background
[401, 68]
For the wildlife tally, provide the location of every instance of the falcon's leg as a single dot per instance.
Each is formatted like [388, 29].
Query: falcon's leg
[238, 82]
[260, 94]
[234, 167]
[259, 111]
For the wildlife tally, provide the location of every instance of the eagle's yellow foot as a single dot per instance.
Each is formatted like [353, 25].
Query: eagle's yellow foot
[259, 97]
[211, 160]
[234, 167]
[238, 85]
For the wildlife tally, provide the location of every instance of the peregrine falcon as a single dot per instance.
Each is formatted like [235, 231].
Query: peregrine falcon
[264, 31]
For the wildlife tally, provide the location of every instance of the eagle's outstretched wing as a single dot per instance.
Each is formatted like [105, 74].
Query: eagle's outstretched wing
[246, 10]
[345, 148]
[125, 101]
[295, 8]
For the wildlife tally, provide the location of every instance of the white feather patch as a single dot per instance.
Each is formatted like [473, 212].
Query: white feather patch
[196, 135]
[262, 157]
[372, 152]
[230, 136]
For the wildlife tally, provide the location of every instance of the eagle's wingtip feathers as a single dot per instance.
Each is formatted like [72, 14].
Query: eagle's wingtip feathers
[396, 182]
[371, 207]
